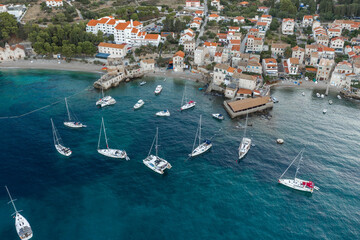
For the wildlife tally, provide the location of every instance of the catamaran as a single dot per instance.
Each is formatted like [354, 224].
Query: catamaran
[58, 142]
[158, 89]
[296, 183]
[139, 104]
[109, 152]
[164, 113]
[245, 143]
[154, 162]
[188, 104]
[72, 122]
[105, 100]
[202, 147]
[22, 226]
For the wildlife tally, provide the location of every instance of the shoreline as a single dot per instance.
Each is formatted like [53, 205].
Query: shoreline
[307, 85]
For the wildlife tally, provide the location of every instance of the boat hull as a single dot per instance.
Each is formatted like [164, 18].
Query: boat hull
[163, 114]
[74, 125]
[23, 227]
[137, 106]
[63, 150]
[113, 153]
[202, 148]
[151, 161]
[244, 147]
[188, 106]
[296, 184]
[217, 116]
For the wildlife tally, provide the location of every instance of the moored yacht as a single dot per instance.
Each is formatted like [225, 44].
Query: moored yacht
[22, 226]
[109, 152]
[105, 100]
[154, 162]
[72, 122]
[296, 183]
[158, 89]
[142, 83]
[245, 142]
[59, 146]
[139, 104]
[202, 147]
[164, 113]
[218, 116]
[318, 95]
[188, 104]
[339, 97]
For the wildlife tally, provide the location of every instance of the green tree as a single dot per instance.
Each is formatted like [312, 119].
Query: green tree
[287, 52]
[8, 26]
[287, 6]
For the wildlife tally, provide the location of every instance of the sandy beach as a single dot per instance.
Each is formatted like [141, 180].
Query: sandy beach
[182, 75]
[52, 65]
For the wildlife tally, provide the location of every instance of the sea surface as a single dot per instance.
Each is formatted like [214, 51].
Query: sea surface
[89, 196]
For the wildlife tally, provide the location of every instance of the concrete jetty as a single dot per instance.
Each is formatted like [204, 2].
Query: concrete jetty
[249, 105]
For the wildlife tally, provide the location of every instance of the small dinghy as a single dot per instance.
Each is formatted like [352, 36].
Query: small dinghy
[58, 142]
[142, 83]
[330, 102]
[218, 116]
[338, 96]
[164, 113]
[139, 104]
[280, 141]
[158, 89]
[324, 111]
[303, 93]
[318, 95]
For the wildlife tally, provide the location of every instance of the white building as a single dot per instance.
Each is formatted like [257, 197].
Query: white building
[334, 32]
[117, 50]
[307, 21]
[54, 3]
[178, 61]
[2, 8]
[337, 43]
[12, 53]
[148, 65]
[270, 66]
[254, 44]
[214, 17]
[278, 49]
[189, 46]
[324, 70]
[192, 3]
[195, 24]
[291, 66]
[199, 55]
[245, 81]
[287, 26]
[299, 53]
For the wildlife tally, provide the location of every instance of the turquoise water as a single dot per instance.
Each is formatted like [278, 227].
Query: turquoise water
[89, 196]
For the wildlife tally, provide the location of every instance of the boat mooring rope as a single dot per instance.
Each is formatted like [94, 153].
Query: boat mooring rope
[41, 108]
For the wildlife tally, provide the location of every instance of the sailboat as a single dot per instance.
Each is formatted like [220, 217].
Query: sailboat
[109, 152]
[154, 162]
[71, 123]
[296, 183]
[187, 105]
[245, 143]
[58, 142]
[202, 147]
[105, 100]
[22, 226]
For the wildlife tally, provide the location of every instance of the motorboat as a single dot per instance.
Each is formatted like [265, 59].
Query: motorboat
[330, 102]
[296, 183]
[245, 143]
[324, 111]
[280, 141]
[322, 95]
[339, 97]
[303, 93]
[202, 147]
[109, 152]
[154, 162]
[22, 226]
[318, 95]
[164, 113]
[188, 104]
[72, 122]
[158, 89]
[142, 83]
[59, 146]
[218, 116]
[274, 100]
[139, 104]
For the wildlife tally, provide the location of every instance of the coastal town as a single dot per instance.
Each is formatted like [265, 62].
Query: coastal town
[235, 56]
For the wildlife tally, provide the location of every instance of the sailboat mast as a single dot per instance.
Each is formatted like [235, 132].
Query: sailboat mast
[67, 109]
[246, 124]
[54, 132]
[297, 169]
[107, 145]
[11, 200]
[200, 130]
[182, 100]
[291, 163]
[156, 143]
[102, 119]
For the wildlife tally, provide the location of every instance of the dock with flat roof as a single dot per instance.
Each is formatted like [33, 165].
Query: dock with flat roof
[249, 105]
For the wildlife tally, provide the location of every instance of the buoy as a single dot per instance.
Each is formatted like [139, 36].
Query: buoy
[280, 141]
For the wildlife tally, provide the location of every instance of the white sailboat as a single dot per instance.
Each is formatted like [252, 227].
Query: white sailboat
[188, 104]
[72, 123]
[109, 152]
[296, 183]
[105, 100]
[58, 142]
[245, 143]
[22, 226]
[154, 162]
[202, 147]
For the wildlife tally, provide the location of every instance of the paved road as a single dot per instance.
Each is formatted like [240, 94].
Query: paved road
[152, 25]
[77, 10]
[203, 26]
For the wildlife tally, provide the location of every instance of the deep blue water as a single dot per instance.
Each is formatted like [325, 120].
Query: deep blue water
[88, 196]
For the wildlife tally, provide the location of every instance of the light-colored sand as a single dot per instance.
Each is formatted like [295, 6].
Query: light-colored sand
[182, 75]
[53, 65]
